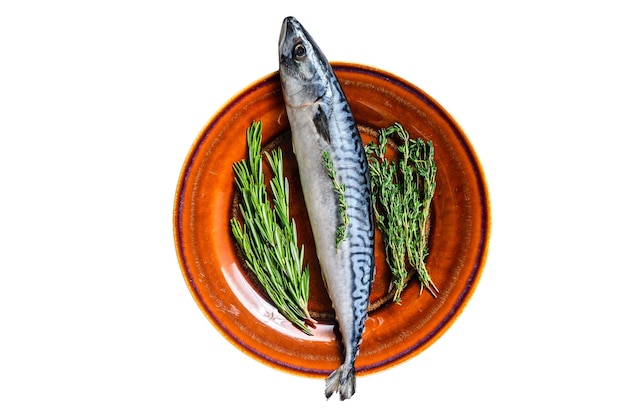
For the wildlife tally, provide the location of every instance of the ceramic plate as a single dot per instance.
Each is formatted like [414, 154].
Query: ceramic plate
[229, 297]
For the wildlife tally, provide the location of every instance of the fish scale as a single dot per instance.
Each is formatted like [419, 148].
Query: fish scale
[321, 121]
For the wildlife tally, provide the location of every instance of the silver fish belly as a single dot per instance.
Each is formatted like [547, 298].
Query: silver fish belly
[322, 123]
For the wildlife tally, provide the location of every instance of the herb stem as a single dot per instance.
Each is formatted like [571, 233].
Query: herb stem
[402, 191]
[340, 190]
[267, 236]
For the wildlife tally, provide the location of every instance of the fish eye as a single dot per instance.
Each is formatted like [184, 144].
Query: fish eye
[299, 51]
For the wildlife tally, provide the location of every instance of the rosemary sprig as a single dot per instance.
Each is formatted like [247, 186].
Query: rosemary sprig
[268, 238]
[402, 192]
[340, 190]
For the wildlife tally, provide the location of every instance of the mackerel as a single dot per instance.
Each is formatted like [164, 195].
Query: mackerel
[322, 125]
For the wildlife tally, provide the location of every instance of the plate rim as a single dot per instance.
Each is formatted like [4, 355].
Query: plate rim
[470, 283]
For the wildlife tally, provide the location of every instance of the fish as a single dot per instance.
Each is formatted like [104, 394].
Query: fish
[323, 127]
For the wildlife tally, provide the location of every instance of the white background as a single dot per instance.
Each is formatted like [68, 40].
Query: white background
[100, 103]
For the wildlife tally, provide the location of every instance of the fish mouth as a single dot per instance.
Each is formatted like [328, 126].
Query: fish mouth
[286, 28]
[290, 29]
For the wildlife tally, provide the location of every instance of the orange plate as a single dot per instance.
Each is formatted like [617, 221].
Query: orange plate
[228, 295]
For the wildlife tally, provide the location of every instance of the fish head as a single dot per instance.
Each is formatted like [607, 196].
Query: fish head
[304, 70]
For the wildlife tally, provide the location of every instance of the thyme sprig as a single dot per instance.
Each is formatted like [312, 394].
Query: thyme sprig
[340, 190]
[268, 236]
[402, 192]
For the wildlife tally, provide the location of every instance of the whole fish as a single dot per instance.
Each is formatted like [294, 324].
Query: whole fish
[323, 129]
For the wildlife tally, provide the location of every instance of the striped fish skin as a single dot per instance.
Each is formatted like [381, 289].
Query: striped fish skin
[321, 121]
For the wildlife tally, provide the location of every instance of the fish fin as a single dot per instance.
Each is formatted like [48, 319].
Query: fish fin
[320, 120]
[342, 380]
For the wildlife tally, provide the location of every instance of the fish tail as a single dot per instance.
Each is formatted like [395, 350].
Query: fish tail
[342, 380]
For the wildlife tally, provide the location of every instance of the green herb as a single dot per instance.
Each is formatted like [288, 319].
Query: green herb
[402, 194]
[268, 238]
[340, 190]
